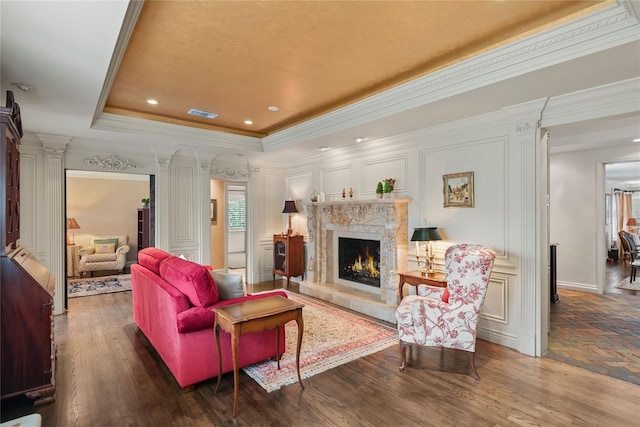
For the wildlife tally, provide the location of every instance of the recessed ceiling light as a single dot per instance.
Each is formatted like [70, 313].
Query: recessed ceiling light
[152, 102]
[359, 139]
[23, 86]
[636, 140]
[248, 122]
[323, 148]
[272, 108]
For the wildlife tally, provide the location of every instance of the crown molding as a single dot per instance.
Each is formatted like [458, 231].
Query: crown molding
[603, 101]
[170, 133]
[604, 29]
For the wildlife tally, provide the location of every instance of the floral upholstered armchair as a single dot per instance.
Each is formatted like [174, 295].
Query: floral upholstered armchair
[106, 253]
[448, 317]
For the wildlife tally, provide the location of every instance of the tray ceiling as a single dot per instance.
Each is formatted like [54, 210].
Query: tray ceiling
[237, 58]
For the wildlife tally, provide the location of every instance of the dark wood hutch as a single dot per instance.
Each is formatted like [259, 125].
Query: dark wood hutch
[26, 286]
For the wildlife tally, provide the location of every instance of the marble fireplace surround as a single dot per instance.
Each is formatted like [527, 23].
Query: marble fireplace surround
[387, 218]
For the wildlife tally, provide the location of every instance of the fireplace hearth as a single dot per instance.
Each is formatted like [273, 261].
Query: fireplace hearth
[359, 261]
[353, 283]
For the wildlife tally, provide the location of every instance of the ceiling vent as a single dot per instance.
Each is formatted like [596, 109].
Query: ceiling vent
[200, 113]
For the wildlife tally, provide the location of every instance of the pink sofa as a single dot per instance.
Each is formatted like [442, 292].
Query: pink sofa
[172, 305]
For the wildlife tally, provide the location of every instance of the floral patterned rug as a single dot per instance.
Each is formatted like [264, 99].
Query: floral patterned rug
[331, 337]
[98, 285]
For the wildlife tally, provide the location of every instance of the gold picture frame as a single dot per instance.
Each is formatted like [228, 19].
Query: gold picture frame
[214, 211]
[458, 190]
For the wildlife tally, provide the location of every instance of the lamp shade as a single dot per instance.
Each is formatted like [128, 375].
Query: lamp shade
[72, 224]
[425, 234]
[632, 222]
[290, 207]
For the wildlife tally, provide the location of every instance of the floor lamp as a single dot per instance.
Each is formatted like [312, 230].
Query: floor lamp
[72, 224]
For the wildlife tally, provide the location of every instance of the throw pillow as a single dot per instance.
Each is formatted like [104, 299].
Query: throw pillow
[445, 295]
[191, 279]
[229, 285]
[107, 241]
[105, 248]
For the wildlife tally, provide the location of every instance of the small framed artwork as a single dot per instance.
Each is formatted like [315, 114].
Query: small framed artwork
[214, 211]
[458, 190]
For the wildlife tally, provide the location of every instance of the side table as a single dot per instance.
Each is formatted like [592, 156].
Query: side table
[415, 278]
[255, 316]
[73, 260]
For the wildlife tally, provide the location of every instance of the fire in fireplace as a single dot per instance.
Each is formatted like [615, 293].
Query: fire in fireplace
[359, 261]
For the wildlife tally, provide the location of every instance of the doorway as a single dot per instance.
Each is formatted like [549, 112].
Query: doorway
[229, 227]
[593, 330]
[104, 204]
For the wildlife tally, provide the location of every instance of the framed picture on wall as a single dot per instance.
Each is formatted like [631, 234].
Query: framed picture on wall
[214, 211]
[458, 190]
[607, 209]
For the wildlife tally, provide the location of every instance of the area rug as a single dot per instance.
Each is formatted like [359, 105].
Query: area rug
[331, 337]
[625, 284]
[98, 285]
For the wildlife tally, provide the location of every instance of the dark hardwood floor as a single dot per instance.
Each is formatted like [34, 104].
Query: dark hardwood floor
[108, 375]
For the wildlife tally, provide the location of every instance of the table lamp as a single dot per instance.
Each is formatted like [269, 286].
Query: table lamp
[290, 208]
[425, 234]
[632, 224]
[72, 224]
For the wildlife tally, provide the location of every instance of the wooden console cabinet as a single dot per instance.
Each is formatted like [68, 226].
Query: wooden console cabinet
[288, 256]
[26, 286]
[143, 228]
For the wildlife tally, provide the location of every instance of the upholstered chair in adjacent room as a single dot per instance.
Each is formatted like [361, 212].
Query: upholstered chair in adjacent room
[107, 253]
[448, 317]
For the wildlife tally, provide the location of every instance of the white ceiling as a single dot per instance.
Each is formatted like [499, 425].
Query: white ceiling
[627, 173]
[64, 50]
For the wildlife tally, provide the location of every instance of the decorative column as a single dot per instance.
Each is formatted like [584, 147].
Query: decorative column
[162, 203]
[54, 198]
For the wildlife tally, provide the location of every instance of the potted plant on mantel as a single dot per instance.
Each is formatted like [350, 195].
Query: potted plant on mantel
[379, 190]
[389, 183]
[145, 203]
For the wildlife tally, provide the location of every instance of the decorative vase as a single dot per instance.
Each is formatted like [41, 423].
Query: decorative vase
[314, 196]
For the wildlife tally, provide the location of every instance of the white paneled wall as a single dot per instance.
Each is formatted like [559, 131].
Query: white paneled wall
[449, 149]
[374, 170]
[333, 179]
[502, 149]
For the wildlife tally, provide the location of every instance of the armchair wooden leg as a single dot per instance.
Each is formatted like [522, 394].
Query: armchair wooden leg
[474, 371]
[404, 347]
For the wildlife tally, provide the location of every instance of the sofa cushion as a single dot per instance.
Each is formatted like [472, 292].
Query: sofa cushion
[191, 279]
[106, 241]
[151, 258]
[197, 318]
[105, 248]
[100, 257]
[229, 285]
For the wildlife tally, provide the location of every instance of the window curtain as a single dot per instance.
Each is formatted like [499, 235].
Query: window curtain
[623, 210]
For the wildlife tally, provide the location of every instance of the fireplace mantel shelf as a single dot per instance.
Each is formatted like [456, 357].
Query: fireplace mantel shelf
[359, 202]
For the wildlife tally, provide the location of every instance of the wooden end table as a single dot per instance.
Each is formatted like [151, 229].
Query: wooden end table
[415, 278]
[255, 316]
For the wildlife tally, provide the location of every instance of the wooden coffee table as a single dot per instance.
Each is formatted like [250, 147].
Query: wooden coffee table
[255, 316]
